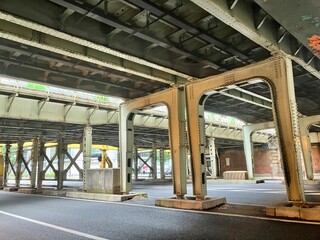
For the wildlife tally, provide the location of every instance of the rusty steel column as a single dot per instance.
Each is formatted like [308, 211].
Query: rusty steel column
[41, 153]
[6, 165]
[19, 162]
[61, 149]
[34, 157]
[277, 72]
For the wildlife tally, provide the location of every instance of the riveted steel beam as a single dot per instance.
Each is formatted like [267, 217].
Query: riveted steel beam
[277, 72]
[242, 19]
[72, 49]
[108, 20]
[48, 70]
[172, 19]
[111, 56]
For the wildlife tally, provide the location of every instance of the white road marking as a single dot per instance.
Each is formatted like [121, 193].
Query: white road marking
[54, 226]
[199, 212]
[184, 210]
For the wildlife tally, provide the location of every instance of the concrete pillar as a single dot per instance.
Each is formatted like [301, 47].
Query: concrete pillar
[136, 159]
[61, 149]
[1, 168]
[212, 155]
[19, 162]
[87, 145]
[34, 157]
[162, 173]
[41, 152]
[154, 162]
[6, 165]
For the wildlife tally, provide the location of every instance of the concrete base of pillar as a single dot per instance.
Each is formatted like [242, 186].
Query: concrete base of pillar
[234, 181]
[190, 203]
[312, 182]
[29, 190]
[152, 181]
[309, 212]
[103, 180]
[1, 187]
[61, 193]
[10, 189]
[104, 197]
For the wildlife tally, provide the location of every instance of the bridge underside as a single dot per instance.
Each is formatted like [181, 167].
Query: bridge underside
[217, 66]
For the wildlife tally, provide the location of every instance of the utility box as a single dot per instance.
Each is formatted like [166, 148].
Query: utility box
[103, 180]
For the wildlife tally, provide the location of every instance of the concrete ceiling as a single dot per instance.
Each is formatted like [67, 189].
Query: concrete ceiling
[133, 48]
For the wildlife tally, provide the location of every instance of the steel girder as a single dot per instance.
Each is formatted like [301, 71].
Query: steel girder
[174, 100]
[242, 18]
[77, 48]
[277, 72]
[172, 19]
[108, 20]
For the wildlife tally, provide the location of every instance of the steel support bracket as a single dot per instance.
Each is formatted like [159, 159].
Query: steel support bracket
[277, 72]
[173, 98]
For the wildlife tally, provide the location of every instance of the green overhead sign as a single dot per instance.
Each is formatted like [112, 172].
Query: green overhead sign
[36, 86]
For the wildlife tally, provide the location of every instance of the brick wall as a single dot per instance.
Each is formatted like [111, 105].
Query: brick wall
[263, 161]
[236, 157]
[237, 162]
[315, 151]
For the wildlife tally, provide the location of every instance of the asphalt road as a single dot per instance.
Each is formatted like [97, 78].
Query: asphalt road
[269, 193]
[39, 217]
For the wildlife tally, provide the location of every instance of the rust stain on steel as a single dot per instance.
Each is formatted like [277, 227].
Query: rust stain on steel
[314, 43]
